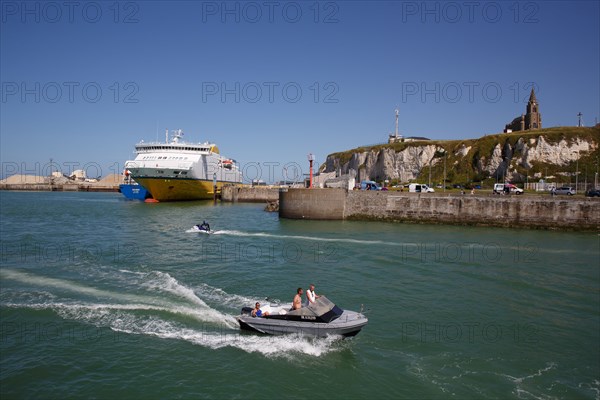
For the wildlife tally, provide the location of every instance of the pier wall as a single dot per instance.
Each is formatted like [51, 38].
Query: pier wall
[312, 203]
[544, 212]
[249, 194]
[44, 187]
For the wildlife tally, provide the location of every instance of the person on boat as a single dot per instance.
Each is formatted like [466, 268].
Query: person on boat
[311, 296]
[257, 312]
[297, 303]
[204, 226]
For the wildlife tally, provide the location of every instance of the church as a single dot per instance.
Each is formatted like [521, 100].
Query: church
[531, 120]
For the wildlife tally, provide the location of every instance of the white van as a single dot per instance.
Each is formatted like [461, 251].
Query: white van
[506, 188]
[419, 188]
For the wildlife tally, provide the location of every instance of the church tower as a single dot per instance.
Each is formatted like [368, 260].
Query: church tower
[533, 118]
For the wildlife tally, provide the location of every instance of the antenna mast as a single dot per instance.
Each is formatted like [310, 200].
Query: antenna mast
[397, 112]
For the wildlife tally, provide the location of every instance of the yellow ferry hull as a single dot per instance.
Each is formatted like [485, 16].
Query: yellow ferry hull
[163, 189]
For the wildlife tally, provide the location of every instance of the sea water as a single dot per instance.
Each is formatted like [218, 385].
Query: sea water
[107, 298]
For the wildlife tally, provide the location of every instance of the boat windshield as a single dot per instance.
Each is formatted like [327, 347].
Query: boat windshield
[322, 310]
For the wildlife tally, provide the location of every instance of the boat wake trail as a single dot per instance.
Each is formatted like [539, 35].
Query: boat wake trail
[299, 237]
[160, 293]
[157, 305]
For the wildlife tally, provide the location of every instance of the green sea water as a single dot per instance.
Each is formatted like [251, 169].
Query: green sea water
[107, 298]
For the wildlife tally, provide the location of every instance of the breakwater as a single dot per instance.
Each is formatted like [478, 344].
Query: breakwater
[44, 187]
[529, 211]
[249, 194]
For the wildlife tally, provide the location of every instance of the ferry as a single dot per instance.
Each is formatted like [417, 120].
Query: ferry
[176, 170]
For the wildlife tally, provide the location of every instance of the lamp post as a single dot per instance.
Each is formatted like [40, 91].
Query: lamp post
[577, 175]
[429, 173]
[214, 187]
[597, 172]
[445, 157]
[311, 158]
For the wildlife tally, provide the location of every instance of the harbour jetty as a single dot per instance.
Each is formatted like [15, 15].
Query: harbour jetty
[61, 184]
[537, 212]
[249, 194]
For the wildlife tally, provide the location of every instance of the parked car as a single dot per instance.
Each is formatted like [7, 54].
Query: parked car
[506, 188]
[369, 185]
[593, 193]
[569, 191]
[419, 188]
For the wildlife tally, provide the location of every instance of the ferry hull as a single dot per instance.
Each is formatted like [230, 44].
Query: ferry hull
[164, 189]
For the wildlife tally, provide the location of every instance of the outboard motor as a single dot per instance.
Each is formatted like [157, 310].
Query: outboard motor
[247, 310]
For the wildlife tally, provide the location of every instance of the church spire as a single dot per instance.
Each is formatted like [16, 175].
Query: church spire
[532, 98]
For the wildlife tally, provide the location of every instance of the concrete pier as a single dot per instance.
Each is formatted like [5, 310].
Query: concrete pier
[527, 211]
[312, 203]
[249, 194]
[44, 187]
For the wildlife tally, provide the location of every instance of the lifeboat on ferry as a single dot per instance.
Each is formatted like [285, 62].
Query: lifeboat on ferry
[227, 164]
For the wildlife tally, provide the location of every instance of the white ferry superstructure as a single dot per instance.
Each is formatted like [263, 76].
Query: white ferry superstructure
[177, 170]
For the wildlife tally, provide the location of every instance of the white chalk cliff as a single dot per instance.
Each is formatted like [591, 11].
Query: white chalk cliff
[498, 155]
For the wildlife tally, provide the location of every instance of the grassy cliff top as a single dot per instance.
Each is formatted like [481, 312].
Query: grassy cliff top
[485, 144]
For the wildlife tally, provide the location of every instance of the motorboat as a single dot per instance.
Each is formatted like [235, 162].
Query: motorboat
[321, 318]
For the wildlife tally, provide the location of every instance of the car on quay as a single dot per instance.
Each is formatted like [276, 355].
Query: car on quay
[569, 191]
[370, 185]
[593, 193]
[506, 188]
[420, 188]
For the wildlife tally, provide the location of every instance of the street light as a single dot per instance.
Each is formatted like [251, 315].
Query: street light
[577, 175]
[311, 158]
[215, 187]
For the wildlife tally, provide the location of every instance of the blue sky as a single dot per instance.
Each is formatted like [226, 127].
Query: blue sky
[270, 82]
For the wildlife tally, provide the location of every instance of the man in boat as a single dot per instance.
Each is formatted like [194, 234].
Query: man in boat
[204, 226]
[297, 304]
[311, 296]
[257, 312]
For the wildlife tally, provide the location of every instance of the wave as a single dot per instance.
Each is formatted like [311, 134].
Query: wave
[157, 282]
[312, 238]
[525, 249]
[158, 316]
